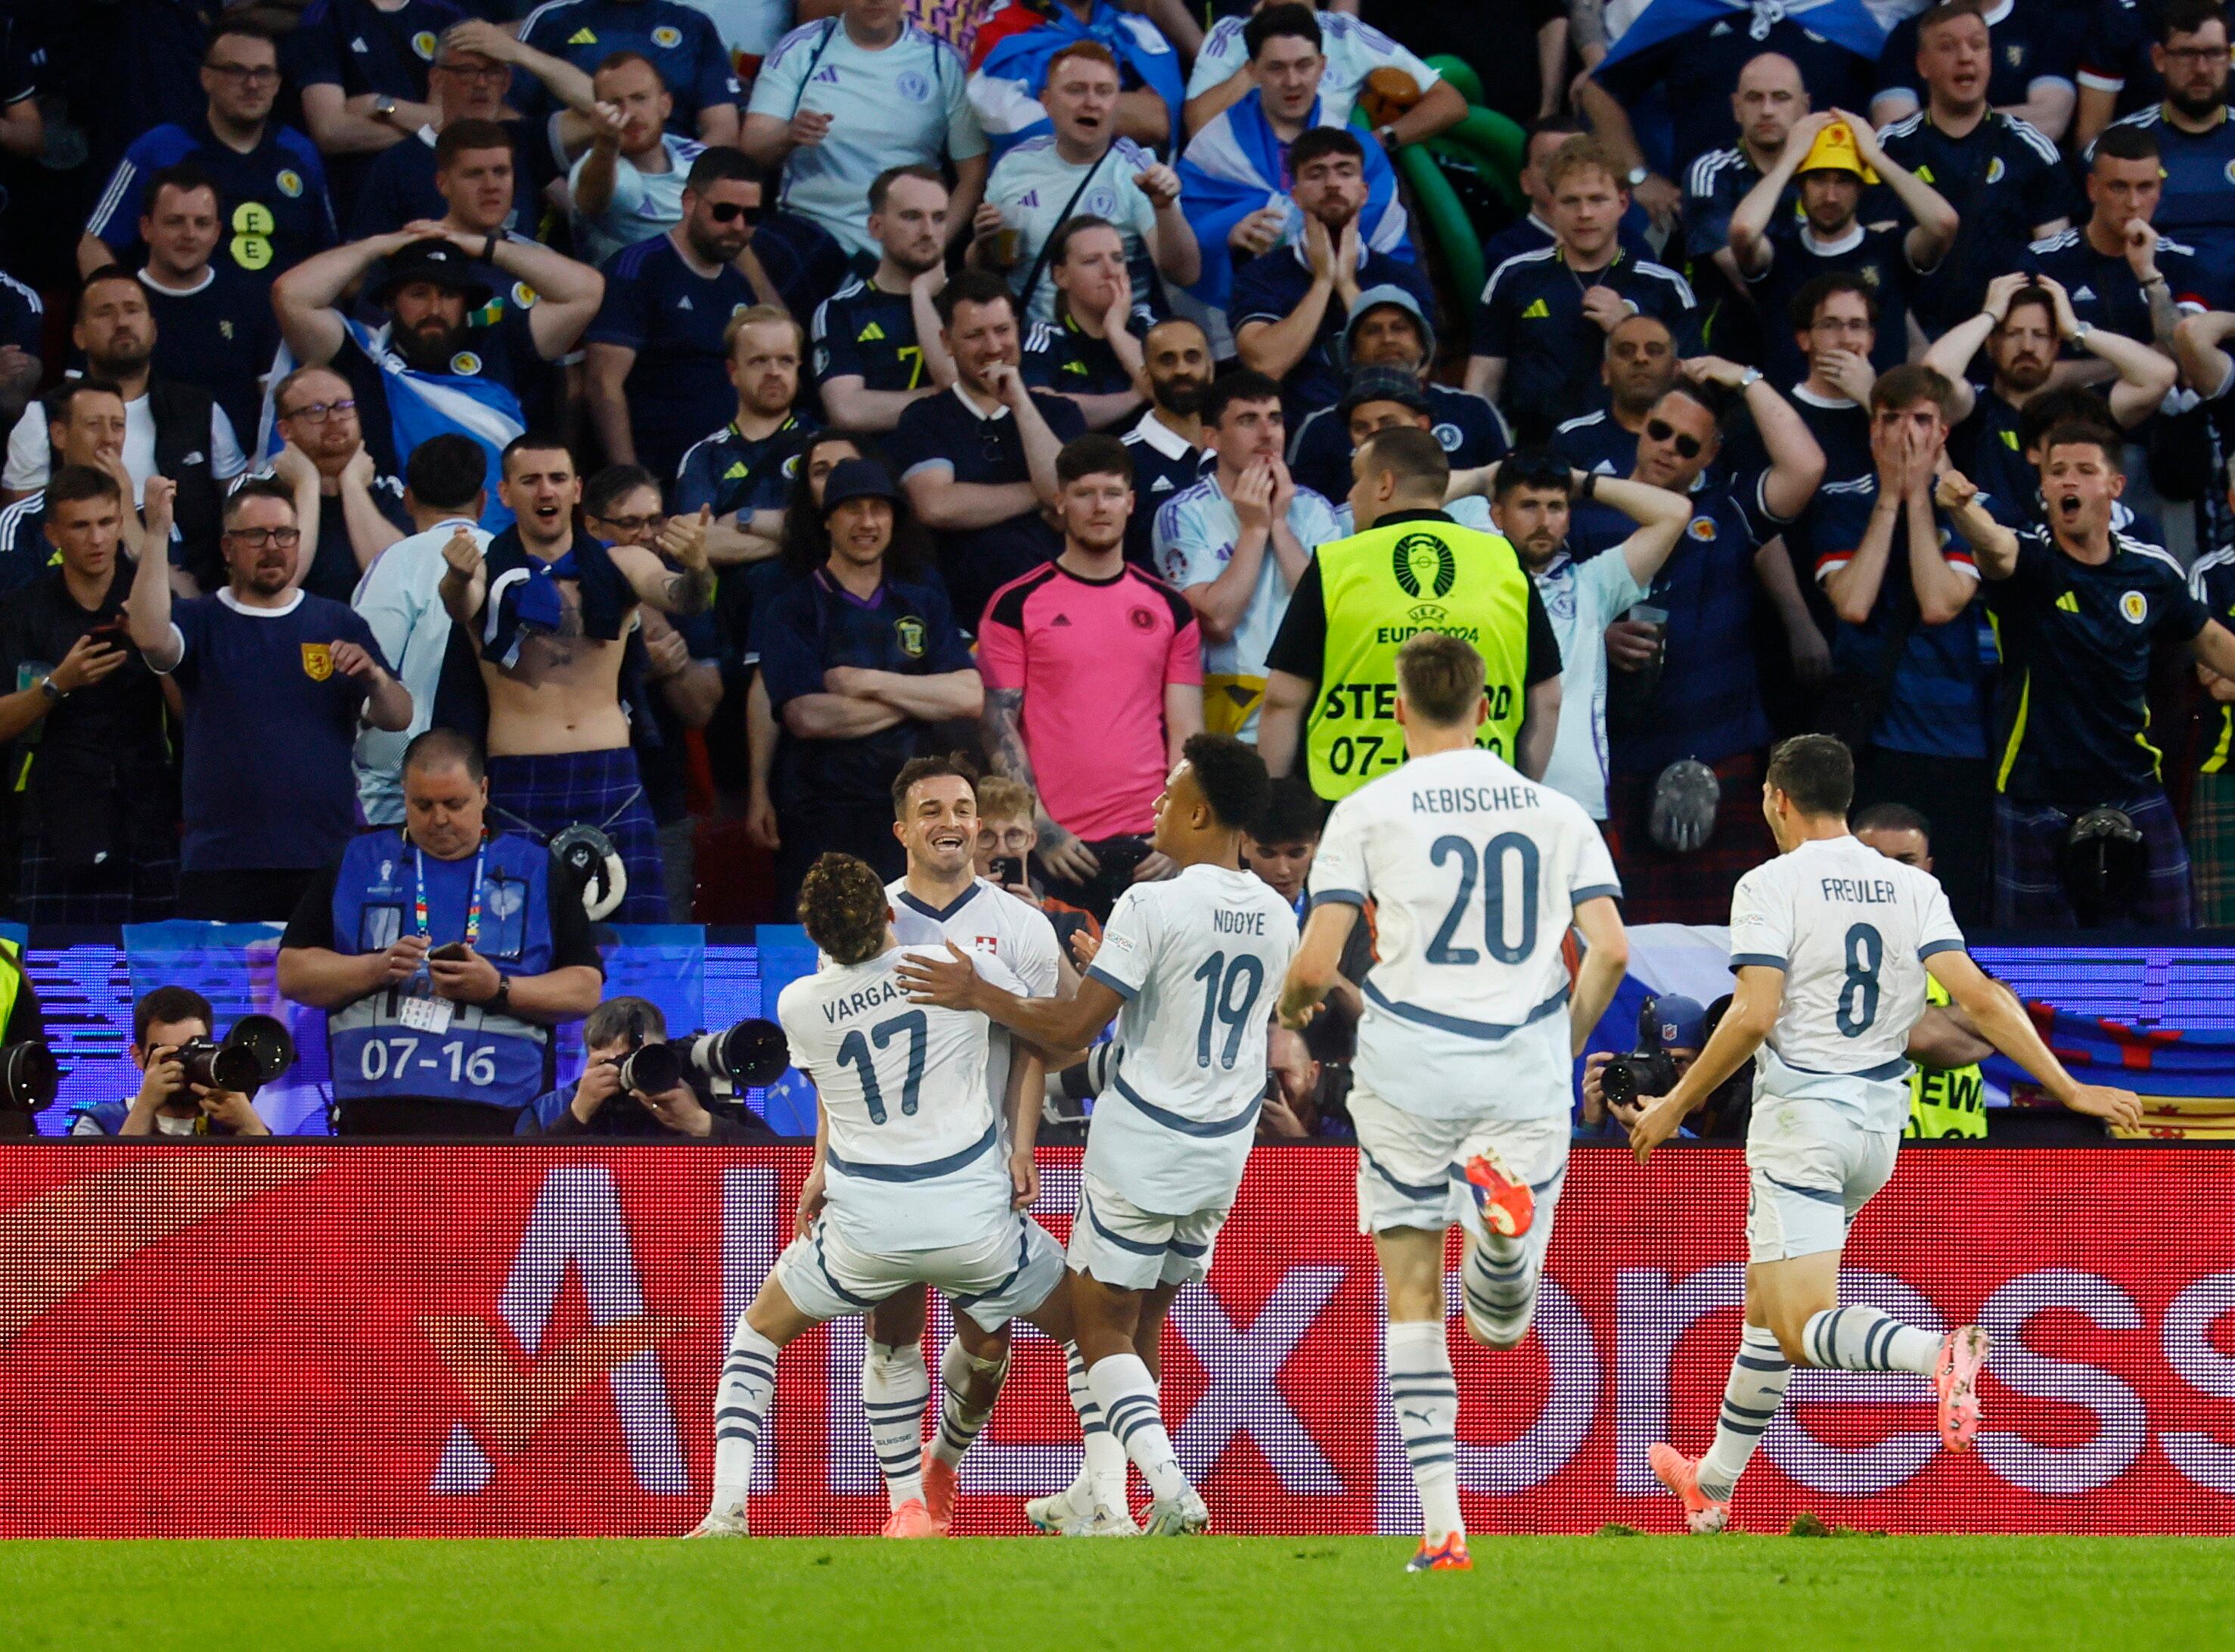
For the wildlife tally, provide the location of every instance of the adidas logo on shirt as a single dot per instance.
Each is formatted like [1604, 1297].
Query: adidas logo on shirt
[582, 37]
[1160, 485]
[2069, 603]
[871, 334]
[829, 73]
[358, 45]
[682, 303]
[737, 472]
[1060, 619]
[1538, 311]
[1032, 198]
[2085, 292]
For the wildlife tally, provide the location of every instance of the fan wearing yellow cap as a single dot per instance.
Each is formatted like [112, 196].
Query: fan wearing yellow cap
[1835, 155]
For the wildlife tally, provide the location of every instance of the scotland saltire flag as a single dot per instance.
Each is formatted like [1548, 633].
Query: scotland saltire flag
[1844, 23]
[1234, 166]
[1006, 77]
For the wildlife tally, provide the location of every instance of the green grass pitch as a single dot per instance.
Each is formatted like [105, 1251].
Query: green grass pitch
[1731, 1591]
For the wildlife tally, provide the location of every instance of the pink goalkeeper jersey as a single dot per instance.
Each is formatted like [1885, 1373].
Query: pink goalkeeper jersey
[1093, 658]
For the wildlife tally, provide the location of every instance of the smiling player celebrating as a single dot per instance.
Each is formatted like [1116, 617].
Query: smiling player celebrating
[1184, 966]
[1831, 942]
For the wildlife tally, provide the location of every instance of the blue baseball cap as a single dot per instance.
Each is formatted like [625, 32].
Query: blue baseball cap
[1678, 1022]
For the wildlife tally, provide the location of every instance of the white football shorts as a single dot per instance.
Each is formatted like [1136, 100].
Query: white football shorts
[1004, 1276]
[1411, 1170]
[1810, 1167]
[1114, 1241]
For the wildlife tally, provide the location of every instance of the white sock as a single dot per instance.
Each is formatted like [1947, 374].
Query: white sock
[1426, 1396]
[1497, 1290]
[959, 1425]
[1750, 1400]
[1102, 1476]
[1128, 1396]
[741, 1402]
[895, 1388]
[1859, 1338]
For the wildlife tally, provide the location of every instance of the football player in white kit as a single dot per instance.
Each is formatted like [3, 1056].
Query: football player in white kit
[1190, 967]
[1831, 942]
[1464, 1074]
[917, 1190]
[940, 898]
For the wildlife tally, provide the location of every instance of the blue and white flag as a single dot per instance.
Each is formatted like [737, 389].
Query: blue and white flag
[1844, 22]
[1236, 164]
[422, 404]
[1006, 84]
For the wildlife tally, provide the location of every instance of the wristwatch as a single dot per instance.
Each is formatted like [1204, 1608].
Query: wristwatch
[1636, 176]
[502, 998]
[1388, 136]
[1748, 379]
[488, 248]
[2080, 330]
[384, 109]
[48, 688]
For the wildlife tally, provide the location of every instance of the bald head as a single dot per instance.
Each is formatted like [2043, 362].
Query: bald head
[1770, 98]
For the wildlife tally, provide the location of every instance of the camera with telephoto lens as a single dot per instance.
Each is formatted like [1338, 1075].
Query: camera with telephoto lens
[1647, 1070]
[29, 1076]
[743, 1056]
[257, 1050]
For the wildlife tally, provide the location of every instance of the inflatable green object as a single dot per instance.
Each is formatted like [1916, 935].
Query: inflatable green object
[1447, 219]
[1460, 73]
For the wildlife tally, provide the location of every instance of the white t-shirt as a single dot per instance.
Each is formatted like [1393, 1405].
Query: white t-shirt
[1031, 185]
[1851, 930]
[28, 460]
[1193, 541]
[1475, 872]
[904, 104]
[991, 923]
[644, 204]
[1582, 600]
[398, 597]
[1354, 51]
[912, 1150]
[1198, 959]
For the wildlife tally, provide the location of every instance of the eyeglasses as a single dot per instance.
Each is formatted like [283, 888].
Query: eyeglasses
[257, 538]
[1661, 430]
[468, 72]
[729, 212]
[2206, 56]
[317, 412]
[246, 75]
[634, 524]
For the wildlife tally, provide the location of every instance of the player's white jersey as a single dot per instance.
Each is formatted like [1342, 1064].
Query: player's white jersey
[1198, 959]
[1475, 872]
[911, 1145]
[1851, 930]
[990, 922]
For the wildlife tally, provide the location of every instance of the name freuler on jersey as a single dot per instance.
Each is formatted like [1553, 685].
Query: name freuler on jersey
[869, 998]
[1877, 892]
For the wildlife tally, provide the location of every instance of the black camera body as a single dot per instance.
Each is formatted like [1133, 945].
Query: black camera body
[751, 1053]
[30, 1077]
[257, 1050]
[1645, 1071]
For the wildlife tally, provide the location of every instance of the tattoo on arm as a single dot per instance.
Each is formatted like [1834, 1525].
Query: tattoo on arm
[1005, 743]
[690, 590]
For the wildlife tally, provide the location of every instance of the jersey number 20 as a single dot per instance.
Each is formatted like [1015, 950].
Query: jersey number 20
[1492, 878]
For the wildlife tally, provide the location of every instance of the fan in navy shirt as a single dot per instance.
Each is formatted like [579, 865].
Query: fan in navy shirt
[657, 374]
[679, 39]
[1533, 229]
[870, 626]
[1696, 71]
[2117, 75]
[348, 55]
[23, 329]
[1388, 330]
[2021, 329]
[1832, 159]
[269, 177]
[2119, 272]
[1639, 367]
[978, 462]
[1272, 286]
[1165, 443]
[2004, 179]
[2079, 609]
[2036, 51]
[741, 471]
[1769, 100]
[213, 325]
[276, 683]
[2196, 140]
[868, 360]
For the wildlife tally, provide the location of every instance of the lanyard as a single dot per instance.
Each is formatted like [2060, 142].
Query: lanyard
[473, 905]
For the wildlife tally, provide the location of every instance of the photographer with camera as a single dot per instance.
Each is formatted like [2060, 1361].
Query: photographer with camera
[635, 1084]
[26, 1066]
[1671, 1031]
[168, 1025]
[445, 957]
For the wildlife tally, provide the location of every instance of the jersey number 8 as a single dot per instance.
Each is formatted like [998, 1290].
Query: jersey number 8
[1865, 950]
[1440, 950]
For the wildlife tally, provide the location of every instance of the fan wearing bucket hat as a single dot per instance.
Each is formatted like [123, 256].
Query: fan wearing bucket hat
[443, 956]
[863, 662]
[1388, 332]
[2079, 608]
[437, 365]
[1834, 156]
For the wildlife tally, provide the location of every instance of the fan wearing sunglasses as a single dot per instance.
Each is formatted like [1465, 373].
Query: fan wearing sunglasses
[1707, 707]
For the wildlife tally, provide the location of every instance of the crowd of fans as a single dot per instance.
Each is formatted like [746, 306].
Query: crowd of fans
[705, 409]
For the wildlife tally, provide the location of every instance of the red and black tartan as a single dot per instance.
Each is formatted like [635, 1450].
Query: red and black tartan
[1658, 886]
